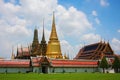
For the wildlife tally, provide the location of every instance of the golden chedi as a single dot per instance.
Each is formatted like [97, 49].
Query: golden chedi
[53, 48]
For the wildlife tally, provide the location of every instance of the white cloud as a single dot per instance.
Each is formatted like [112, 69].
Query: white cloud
[104, 3]
[72, 21]
[66, 47]
[91, 38]
[35, 10]
[94, 13]
[119, 30]
[97, 20]
[116, 45]
[17, 22]
[12, 28]
[70, 50]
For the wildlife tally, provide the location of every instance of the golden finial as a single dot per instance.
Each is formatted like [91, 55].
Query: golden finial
[53, 35]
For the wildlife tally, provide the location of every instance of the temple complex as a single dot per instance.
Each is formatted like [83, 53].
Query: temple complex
[40, 57]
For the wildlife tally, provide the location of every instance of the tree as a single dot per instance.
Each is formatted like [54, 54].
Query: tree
[104, 64]
[116, 64]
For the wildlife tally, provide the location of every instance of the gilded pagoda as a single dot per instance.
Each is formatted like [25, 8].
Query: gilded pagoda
[54, 48]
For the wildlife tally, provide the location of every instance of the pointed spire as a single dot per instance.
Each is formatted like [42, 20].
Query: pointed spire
[12, 50]
[21, 49]
[53, 35]
[17, 51]
[54, 48]
[43, 37]
[35, 35]
[100, 39]
[28, 48]
[43, 45]
[12, 56]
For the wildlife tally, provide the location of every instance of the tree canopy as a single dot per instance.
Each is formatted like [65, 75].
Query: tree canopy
[104, 64]
[116, 64]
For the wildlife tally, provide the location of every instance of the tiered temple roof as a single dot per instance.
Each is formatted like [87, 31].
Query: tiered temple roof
[95, 51]
[23, 53]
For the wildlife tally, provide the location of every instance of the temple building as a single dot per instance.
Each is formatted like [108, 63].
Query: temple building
[96, 51]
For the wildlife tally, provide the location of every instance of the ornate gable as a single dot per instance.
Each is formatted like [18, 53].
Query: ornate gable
[108, 50]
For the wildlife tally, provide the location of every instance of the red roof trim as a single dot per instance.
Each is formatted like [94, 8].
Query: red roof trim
[73, 63]
[14, 63]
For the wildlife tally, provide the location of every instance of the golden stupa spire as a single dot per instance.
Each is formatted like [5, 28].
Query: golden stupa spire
[53, 35]
[53, 48]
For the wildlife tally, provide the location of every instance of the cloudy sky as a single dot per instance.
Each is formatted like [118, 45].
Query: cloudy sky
[78, 23]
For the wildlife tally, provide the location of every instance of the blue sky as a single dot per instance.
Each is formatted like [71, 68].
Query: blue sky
[78, 22]
[108, 15]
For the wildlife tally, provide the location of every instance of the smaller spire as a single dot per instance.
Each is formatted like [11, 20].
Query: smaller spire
[35, 39]
[43, 45]
[43, 37]
[12, 49]
[100, 39]
[12, 56]
[17, 51]
[21, 49]
[28, 48]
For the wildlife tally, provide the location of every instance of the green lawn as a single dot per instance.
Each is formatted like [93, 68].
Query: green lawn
[66, 76]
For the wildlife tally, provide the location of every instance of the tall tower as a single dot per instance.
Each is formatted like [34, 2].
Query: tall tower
[53, 48]
[35, 45]
[12, 56]
[43, 45]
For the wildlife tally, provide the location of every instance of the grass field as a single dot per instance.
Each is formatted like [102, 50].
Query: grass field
[66, 76]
